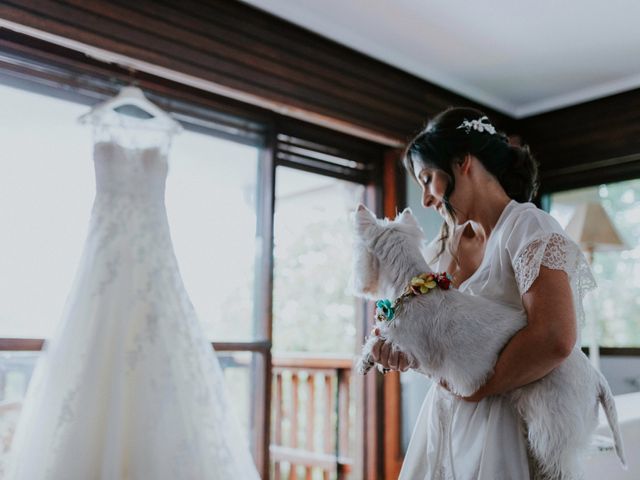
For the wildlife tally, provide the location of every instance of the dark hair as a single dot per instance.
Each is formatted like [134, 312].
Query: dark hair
[445, 140]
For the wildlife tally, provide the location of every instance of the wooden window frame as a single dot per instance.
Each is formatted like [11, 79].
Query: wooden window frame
[36, 65]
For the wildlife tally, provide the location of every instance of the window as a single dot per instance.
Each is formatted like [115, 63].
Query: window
[220, 199]
[211, 204]
[314, 325]
[47, 188]
[615, 304]
[313, 309]
[46, 191]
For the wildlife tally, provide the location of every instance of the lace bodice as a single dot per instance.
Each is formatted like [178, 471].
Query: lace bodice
[127, 172]
[129, 224]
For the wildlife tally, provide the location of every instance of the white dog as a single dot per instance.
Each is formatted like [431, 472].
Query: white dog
[450, 335]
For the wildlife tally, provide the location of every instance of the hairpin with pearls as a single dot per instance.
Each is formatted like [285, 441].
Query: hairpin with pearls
[481, 125]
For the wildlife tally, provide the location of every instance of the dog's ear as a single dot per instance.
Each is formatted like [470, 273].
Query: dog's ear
[363, 219]
[362, 209]
[406, 217]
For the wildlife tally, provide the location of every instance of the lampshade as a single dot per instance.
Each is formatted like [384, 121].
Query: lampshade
[593, 230]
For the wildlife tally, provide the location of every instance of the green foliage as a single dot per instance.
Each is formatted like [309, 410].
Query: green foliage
[616, 303]
[313, 310]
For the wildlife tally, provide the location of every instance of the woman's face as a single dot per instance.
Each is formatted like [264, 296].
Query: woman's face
[434, 185]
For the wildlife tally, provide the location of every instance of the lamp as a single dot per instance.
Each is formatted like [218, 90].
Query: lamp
[592, 229]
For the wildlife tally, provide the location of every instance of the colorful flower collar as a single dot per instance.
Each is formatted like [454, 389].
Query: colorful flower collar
[424, 283]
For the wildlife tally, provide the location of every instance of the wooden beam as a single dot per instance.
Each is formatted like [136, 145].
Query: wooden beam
[235, 50]
[588, 144]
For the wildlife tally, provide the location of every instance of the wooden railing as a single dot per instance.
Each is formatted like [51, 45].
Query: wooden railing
[312, 417]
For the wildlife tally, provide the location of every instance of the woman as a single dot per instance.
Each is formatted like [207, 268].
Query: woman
[495, 246]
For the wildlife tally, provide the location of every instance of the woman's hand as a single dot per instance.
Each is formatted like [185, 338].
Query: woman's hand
[384, 353]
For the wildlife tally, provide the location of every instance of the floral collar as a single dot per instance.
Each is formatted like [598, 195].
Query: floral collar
[423, 283]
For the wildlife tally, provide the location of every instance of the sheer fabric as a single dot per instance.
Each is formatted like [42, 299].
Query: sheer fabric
[454, 439]
[555, 251]
[128, 388]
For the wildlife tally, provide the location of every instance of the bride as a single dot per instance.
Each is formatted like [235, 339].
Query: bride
[129, 387]
[505, 250]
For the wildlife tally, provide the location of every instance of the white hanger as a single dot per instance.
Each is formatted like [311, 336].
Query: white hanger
[131, 96]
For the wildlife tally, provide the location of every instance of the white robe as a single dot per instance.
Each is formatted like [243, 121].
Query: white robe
[455, 439]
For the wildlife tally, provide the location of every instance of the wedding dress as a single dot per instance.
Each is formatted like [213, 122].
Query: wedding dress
[128, 387]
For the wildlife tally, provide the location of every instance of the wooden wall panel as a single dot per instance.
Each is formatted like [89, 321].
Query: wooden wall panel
[247, 50]
[587, 144]
[294, 71]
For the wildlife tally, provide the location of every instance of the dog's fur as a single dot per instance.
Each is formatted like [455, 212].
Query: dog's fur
[450, 335]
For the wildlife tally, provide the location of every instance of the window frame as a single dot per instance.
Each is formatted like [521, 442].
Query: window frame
[38, 66]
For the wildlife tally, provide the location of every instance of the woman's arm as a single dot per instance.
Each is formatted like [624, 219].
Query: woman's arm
[544, 343]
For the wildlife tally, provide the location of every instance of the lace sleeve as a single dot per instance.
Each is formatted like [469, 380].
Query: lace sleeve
[557, 252]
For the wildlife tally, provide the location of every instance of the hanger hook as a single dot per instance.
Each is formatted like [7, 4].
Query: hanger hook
[133, 81]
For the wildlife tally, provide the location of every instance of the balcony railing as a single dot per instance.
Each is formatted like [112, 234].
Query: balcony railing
[313, 409]
[312, 417]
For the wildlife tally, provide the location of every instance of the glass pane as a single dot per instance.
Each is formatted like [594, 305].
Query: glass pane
[615, 305]
[46, 193]
[314, 324]
[241, 370]
[313, 309]
[15, 372]
[211, 204]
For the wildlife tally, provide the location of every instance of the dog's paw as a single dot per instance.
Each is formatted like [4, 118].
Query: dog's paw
[364, 365]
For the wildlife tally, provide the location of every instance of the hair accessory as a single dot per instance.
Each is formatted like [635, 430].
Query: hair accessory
[481, 124]
[423, 283]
